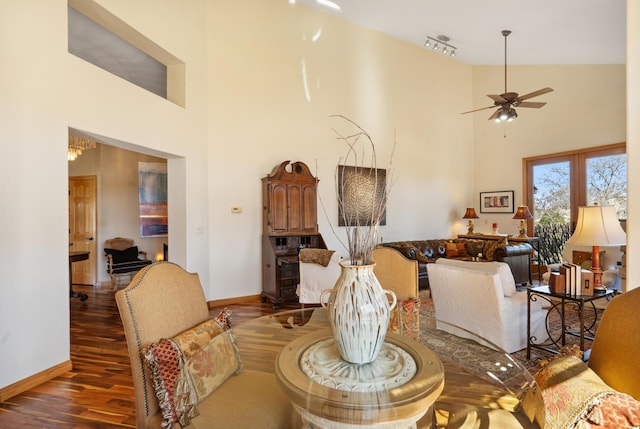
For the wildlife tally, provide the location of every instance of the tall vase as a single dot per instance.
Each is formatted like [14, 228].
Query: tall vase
[358, 310]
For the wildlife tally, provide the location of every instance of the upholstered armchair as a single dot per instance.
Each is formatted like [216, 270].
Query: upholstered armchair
[319, 270]
[123, 259]
[170, 337]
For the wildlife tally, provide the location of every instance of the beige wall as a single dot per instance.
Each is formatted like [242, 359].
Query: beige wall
[633, 142]
[117, 198]
[272, 90]
[587, 108]
[45, 91]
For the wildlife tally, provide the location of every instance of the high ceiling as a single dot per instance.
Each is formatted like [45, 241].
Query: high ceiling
[543, 31]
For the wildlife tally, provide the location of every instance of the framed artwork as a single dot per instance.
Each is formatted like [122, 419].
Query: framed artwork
[496, 202]
[152, 194]
[361, 189]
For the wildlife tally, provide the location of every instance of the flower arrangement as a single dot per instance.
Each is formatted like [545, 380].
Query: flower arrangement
[362, 193]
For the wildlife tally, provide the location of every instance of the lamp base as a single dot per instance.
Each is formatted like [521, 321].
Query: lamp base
[596, 269]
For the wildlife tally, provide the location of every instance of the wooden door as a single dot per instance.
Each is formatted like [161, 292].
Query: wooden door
[82, 227]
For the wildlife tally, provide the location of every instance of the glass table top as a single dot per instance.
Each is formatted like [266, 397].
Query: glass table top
[482, 384]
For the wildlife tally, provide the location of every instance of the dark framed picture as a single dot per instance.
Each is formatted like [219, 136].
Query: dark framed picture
[362, 192]
[496, 202]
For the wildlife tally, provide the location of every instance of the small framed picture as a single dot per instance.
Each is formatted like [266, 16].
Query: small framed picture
[496, 202]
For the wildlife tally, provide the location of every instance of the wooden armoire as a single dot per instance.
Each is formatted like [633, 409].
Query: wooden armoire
[289, 223]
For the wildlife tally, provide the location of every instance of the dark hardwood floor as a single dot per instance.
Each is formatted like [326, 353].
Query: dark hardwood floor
[98, 392]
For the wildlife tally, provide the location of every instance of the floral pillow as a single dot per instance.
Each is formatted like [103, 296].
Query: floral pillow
[187, 368]
[405, 318]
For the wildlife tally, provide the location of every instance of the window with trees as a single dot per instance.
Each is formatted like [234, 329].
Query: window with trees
[556, 185]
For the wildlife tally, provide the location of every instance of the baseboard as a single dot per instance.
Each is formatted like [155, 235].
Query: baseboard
[249, 299]
[34, 380]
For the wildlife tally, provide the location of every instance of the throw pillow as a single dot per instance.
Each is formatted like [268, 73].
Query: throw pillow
[405, 318]
[452, 250]
[188, 367]
[462, 249]
[573, 395]
[120, 256]
[490, 247]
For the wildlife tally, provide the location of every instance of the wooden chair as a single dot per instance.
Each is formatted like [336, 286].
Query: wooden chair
[123, 259]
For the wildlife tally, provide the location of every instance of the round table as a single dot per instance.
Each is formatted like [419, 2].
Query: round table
[483, 386]
[394, 391]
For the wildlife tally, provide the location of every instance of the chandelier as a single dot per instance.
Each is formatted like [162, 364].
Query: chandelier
[77, 145]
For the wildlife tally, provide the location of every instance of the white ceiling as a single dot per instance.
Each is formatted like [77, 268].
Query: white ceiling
[543, 31]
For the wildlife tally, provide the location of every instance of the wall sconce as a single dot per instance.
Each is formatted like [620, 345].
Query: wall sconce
[523, 214]
[441, 41]
[470, 214]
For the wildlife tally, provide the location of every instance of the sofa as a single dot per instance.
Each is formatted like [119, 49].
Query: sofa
[481, 298]
[516, 256]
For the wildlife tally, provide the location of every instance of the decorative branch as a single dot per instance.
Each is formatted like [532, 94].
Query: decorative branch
[362, 236]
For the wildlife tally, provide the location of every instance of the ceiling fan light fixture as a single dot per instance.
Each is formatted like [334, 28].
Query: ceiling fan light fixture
[511, 115]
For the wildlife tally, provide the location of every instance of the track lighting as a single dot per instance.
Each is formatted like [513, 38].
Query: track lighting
[434, 43]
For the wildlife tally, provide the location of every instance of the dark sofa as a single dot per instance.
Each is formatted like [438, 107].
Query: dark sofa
[517, 256]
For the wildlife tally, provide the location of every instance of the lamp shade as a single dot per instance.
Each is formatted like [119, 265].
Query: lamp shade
[470, 213]
[523, 213]
[597, 226]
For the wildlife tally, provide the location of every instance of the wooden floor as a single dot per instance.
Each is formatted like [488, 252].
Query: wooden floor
[98, 393]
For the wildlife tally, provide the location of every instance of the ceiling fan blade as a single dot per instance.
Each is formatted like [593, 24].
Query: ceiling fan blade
[495, 114]
[535, 93]
[496, 98]
[477, 110]
[535, 104]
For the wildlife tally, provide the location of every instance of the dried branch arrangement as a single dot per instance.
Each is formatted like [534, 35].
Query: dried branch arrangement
[362, 192]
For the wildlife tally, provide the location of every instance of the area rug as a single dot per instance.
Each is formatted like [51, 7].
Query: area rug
[489, 363]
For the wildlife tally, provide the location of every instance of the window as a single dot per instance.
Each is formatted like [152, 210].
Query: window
[556, 185]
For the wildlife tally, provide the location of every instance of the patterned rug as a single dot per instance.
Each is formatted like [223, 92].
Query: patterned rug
[469, 354]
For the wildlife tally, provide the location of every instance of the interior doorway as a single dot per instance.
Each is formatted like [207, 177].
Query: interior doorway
[82, 227]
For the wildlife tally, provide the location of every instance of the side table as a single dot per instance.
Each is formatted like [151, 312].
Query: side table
[558, 302]
[393, 392]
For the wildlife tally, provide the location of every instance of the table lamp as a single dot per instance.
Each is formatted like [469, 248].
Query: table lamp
[523, 214]
[470, 214]
[597, 226]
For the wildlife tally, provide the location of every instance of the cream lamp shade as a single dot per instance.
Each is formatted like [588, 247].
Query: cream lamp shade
[597, 226]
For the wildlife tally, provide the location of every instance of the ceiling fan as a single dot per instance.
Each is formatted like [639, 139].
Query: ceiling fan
[507, 102]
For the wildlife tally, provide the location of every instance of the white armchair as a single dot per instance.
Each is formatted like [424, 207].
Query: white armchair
[315, 276]
[481, 297]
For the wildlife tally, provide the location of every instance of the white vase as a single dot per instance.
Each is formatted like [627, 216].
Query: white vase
[358, 310]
